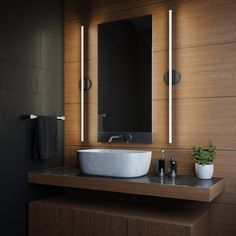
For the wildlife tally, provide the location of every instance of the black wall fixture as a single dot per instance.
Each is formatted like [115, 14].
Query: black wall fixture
[87, 84]
[31, 82]
[175, 77]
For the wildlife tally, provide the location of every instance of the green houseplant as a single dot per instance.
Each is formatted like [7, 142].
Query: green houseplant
[204, 157]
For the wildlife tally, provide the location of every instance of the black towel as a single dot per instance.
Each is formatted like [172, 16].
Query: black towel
[45, 139]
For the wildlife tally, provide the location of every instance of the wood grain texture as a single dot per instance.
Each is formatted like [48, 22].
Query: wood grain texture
[222, 220]
[196, 121]
[225, 165]
[89, 223]
[72, 89]
[147, 186]
[189, 18]
[206, 72]
[204, 22]
[120, 207]
[80, 9]
[196, 23]
[143, 227]
[72, 82]
[189, 127]
[111, 217]
[72, 41]
[204, 43]
[70, 156]
[72, 124]
[45, 220]
[72, 35]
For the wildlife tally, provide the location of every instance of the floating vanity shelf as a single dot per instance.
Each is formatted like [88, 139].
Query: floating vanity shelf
[183, 187]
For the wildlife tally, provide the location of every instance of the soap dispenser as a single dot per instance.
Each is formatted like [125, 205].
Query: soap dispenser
[172, 167]
[161, 164]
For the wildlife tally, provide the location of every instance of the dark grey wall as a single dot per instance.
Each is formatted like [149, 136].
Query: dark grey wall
[31, 82]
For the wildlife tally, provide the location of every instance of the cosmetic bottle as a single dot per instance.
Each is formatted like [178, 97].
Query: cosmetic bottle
[172, 167]
[161, 165]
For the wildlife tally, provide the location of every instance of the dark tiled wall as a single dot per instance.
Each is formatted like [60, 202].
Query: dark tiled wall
[31, 82]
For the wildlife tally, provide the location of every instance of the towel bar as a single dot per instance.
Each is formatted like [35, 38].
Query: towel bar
[58, 117]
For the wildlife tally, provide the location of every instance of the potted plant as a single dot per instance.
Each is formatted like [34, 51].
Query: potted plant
[204, 157]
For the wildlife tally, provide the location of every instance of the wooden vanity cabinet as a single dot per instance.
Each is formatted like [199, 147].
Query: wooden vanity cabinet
[75, 217]
[51, 217]
[50, 220]
[147, 227]
[88, 223]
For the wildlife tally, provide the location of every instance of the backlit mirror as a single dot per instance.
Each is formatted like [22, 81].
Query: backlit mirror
[125, 81]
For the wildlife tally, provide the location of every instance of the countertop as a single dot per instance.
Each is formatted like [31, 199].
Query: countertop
[181, 187]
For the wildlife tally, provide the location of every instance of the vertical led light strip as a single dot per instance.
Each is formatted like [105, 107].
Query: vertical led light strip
[170, 76]
[82, 83]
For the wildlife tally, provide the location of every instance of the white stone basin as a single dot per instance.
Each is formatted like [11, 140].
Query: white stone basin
[114, 162]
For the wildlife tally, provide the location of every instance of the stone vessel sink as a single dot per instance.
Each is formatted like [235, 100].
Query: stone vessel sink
[114, 162]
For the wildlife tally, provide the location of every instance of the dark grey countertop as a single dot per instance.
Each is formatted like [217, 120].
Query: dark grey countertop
[181, 180]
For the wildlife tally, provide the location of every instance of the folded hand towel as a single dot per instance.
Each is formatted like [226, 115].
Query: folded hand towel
[45, 139]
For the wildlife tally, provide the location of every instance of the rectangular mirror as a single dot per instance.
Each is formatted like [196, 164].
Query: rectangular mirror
[125, 80]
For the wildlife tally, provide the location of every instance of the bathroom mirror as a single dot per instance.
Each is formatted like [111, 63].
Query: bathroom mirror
[125, 80]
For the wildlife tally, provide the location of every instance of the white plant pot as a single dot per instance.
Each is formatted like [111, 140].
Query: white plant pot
[204, 171]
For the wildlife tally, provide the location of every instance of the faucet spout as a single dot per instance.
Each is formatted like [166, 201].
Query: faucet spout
[114, 137]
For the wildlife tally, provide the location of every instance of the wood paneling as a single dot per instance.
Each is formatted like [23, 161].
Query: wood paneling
[189, 19]
[108, 217]
[204, 22]
[89, 223]
[72, 41]
[205, 72]
[225, 165]
[196, 121]
[72, 124]
[72, 82]
[78, 9]
[222, 220]
[193, 122]
[196, 23]
[143, 227]
[45, 220]
[70, 156]
[204, 106]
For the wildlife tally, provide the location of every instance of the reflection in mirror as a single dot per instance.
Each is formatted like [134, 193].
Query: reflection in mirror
[125, 80]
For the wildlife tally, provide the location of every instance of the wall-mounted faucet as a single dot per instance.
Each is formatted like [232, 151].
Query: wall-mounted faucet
[128, 137]
[125, 137]
[114, 137]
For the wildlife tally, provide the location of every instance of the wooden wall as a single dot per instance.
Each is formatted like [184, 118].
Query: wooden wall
[204, 100]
